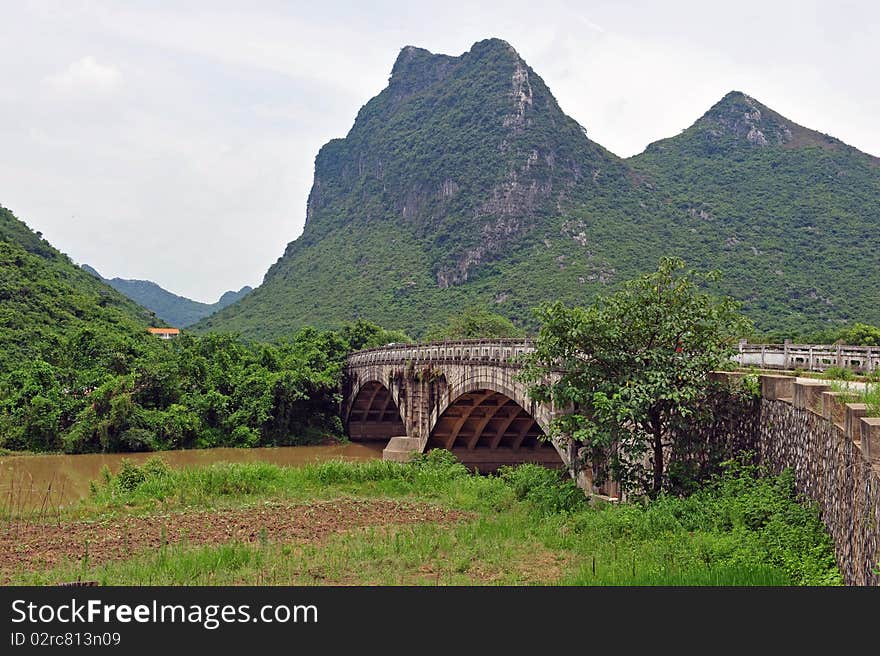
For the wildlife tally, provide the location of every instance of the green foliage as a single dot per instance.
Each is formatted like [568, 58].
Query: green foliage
[449, 193]
[45, 298]
[131, 476]
[858, 334]
[838, 373]
[745, 520]
[474, 323]
[750, 386]
[869, 394]
[549, 490]
[127, 391]
[361, 334]
[782, 216]
[744, 528]
[635, 365]
[79, 372]
[154, 479]
[439, 462]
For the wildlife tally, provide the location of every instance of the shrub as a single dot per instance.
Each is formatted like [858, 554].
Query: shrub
[547, 489]
[439, 461]
[132, 476]
[138, 439]
[838, 373]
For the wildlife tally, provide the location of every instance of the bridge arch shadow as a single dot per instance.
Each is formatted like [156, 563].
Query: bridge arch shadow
[374, 414]
[487, 428]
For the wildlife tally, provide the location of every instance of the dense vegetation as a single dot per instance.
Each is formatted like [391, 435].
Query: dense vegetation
[45, 298]
[99, 391]
[176, 310]
[79, 372]
[524, 526]
[635, 370]
[793, 212]
[463, 184]
[473, 323]
[858, 334]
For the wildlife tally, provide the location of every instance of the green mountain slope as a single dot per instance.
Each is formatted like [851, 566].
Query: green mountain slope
[441, 195]
[463, 183]
[176, 310]
[791, 216]
[44, 297]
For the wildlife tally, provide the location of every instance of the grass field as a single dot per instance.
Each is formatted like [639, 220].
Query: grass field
[426, 523]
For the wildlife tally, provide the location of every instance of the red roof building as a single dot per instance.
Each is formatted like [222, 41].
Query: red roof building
[164, 333]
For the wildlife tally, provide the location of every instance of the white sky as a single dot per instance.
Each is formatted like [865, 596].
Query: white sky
[175, 142]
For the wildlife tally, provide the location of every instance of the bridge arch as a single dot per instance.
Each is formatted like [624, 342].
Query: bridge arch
[464, 394]
[513, 390]
[487, 423]
[373, 413]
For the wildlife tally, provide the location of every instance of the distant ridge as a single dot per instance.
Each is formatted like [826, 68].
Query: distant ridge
[176, 310]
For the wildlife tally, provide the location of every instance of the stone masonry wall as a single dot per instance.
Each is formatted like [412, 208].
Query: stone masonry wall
[830, 470]
[827, 443]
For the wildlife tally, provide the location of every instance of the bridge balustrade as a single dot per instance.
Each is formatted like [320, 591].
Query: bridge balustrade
[501, 351]
[812, 357]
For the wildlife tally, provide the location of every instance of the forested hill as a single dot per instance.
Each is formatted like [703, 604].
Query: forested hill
[177, 310]
[793, 215]
[80, 373]
[44, 297]
[463, 183]
[444, 194]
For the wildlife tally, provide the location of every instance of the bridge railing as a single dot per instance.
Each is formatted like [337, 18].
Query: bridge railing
[496, 351]
[809, 357]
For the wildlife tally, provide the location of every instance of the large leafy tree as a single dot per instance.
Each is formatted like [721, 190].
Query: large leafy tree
[631, 367]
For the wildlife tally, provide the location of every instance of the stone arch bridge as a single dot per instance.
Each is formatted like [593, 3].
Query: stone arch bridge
[462, 396]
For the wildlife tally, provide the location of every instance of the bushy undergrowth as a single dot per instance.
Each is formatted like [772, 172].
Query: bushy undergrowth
[744, 518]
[744, 528]
[869, 394]
[548, 490]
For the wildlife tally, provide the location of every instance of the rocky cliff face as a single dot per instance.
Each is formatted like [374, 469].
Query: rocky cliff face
[464, 183]
[462, 152]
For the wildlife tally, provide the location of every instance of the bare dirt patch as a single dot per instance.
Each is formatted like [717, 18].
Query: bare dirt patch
[43, 546]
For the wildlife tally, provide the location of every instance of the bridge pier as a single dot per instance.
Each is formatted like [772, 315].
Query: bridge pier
[400, 448]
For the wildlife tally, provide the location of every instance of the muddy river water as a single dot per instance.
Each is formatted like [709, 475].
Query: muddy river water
[55, 481]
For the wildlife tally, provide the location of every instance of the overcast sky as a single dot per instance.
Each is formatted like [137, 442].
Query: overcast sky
[177, 144]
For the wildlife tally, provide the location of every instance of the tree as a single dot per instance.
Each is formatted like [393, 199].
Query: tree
[633, 366]
[362, 334]
[474, 323]
[860, 334]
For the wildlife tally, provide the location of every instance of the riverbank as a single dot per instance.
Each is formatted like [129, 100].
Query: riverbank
[29, 481]
[426, 523]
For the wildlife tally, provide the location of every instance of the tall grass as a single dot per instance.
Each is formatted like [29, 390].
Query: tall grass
[529, 526]
[869, 394]
[23, 504]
